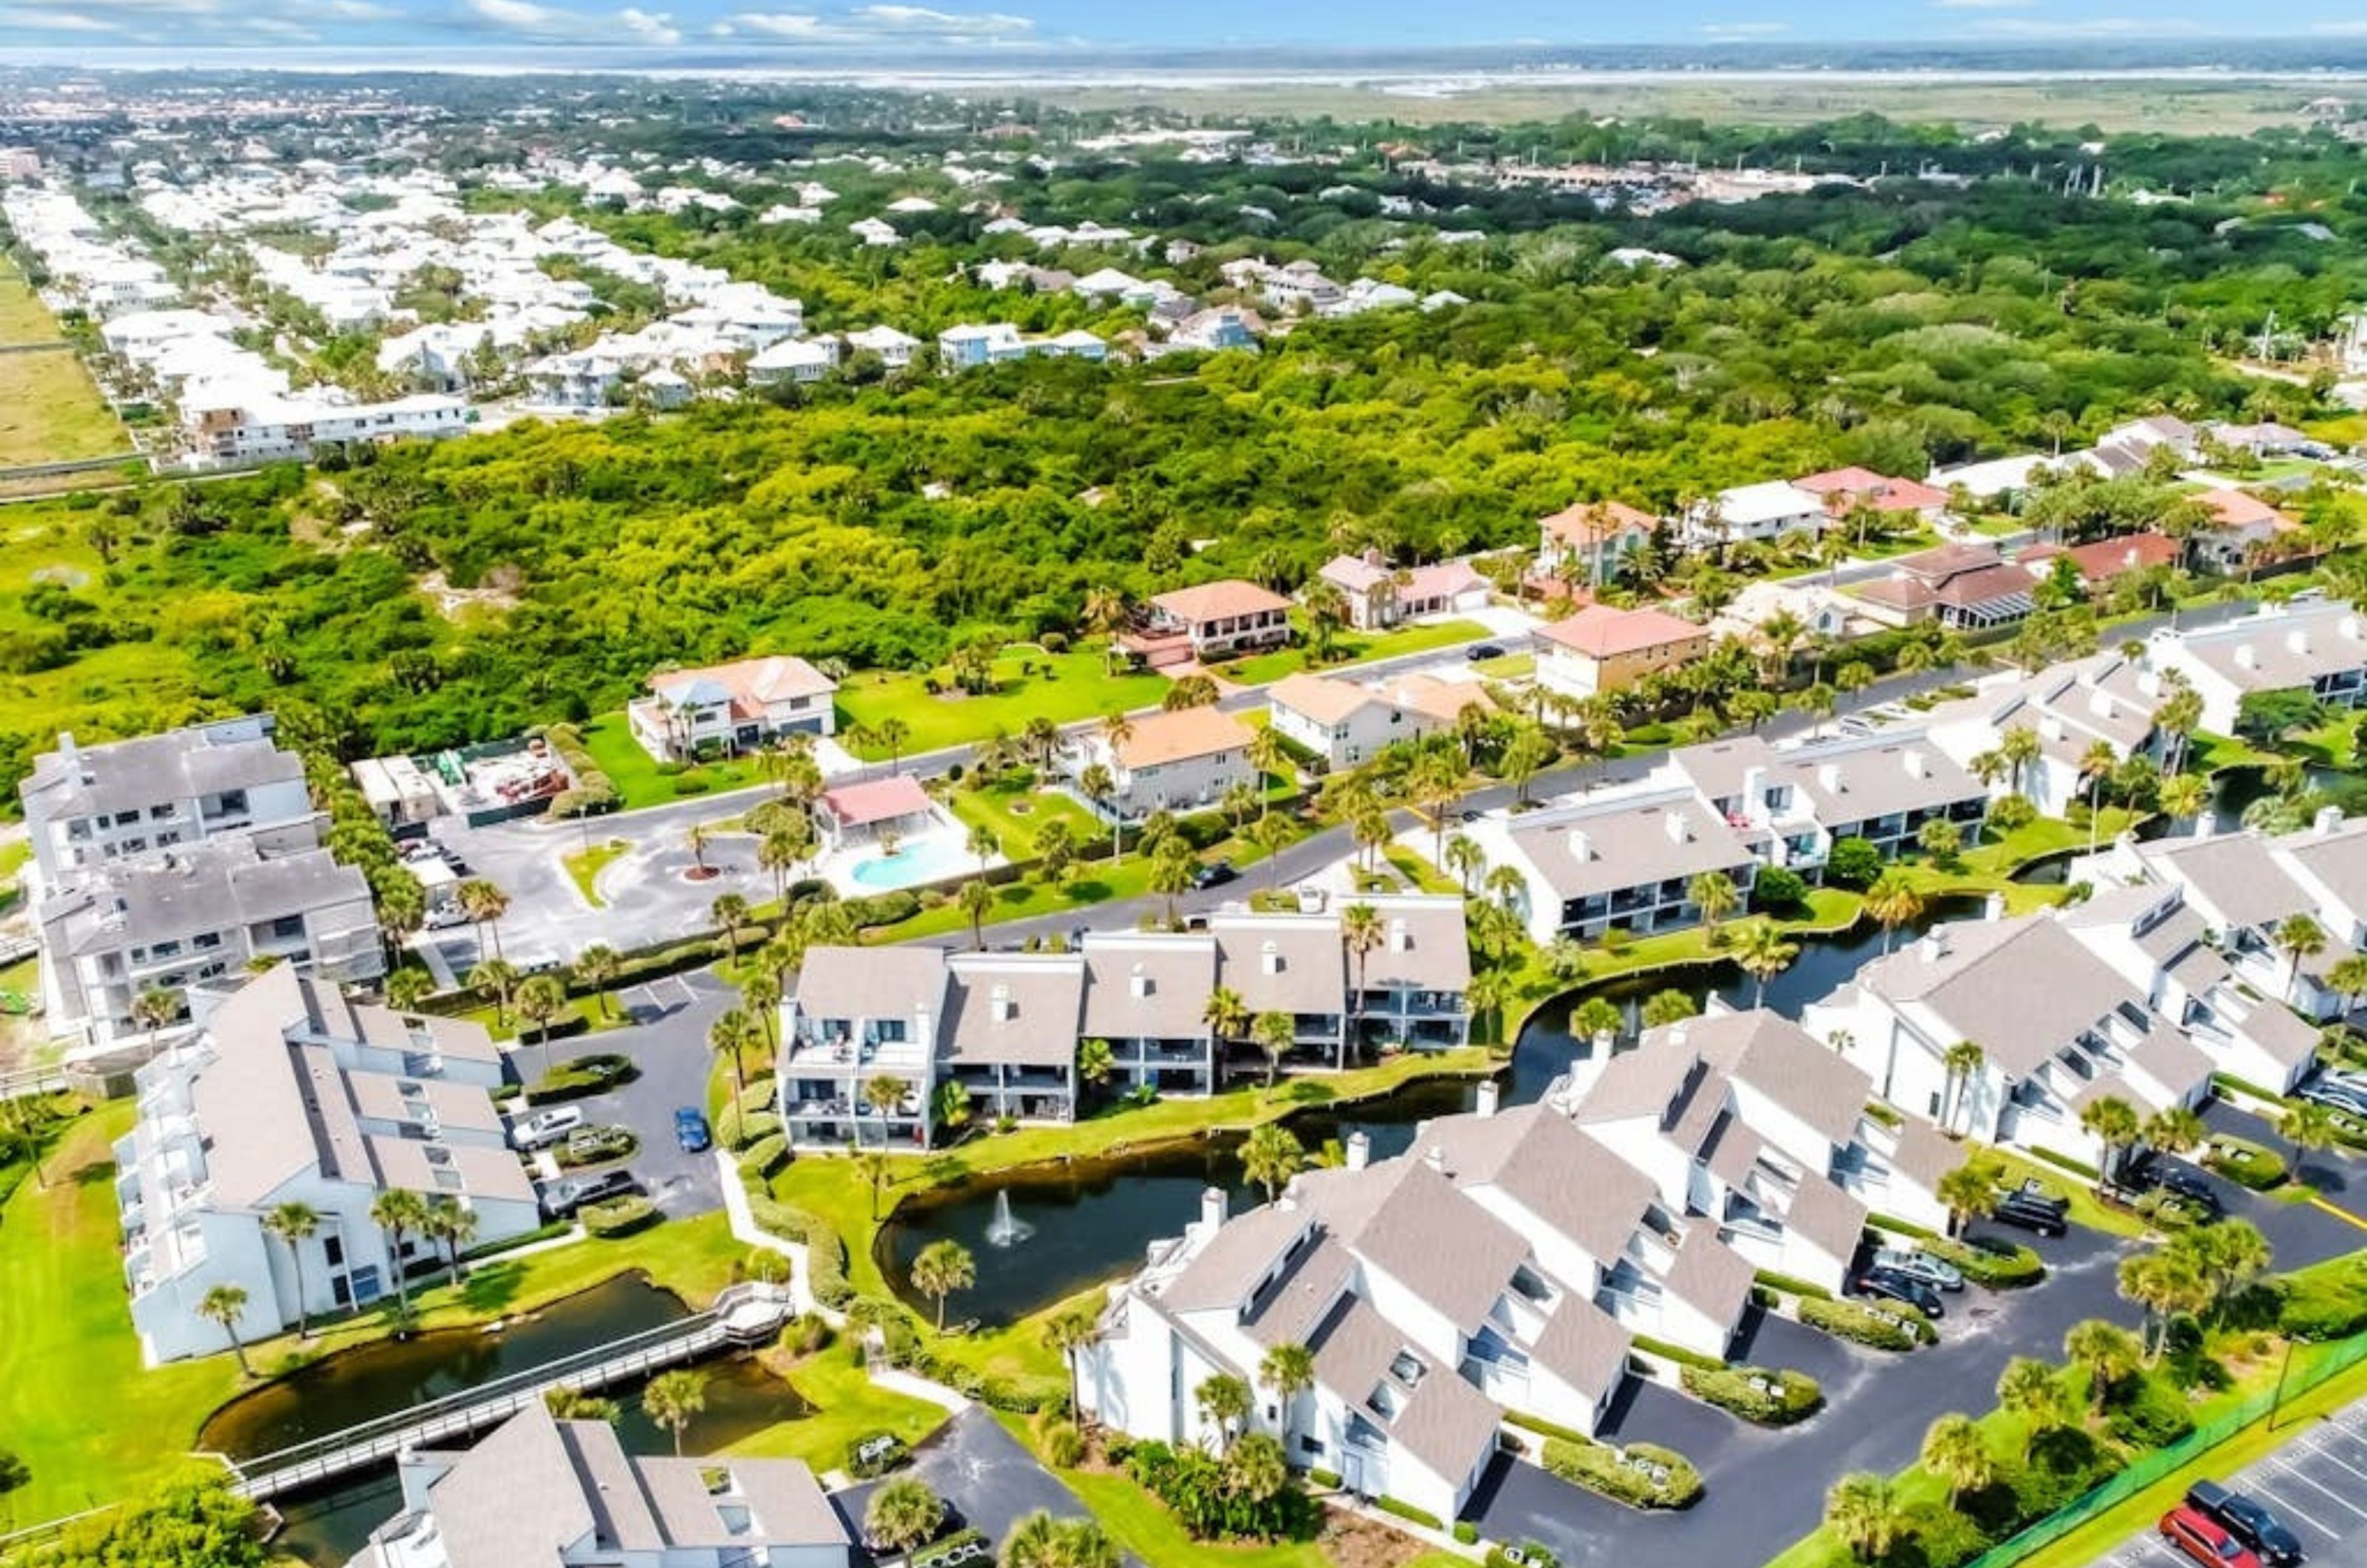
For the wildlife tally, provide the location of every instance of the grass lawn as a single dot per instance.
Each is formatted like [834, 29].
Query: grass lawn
[1063, 687]
[93, 1424]
[586, 1007]
[2210, 754]
[1141, 1524]
[1510, 667]
[1350, 648]
[23, 317]
[51, 413]
[847, 1405]
[2085, 1208]
[635, 773]
[584, 868]
[1018, 814]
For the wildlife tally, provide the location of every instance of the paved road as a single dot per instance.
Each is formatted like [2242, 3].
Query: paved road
[2317, 1483]
[668, 1042]
[985, 1473]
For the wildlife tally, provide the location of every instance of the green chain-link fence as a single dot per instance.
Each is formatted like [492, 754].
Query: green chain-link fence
[2154, 1466]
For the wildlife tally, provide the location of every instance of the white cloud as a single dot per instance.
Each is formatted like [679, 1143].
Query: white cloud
[56, 21]
[648, 27]
[869, 24]
[555, 24]
[1744, 29]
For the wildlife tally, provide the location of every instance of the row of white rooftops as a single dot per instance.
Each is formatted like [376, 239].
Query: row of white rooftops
[106, 276]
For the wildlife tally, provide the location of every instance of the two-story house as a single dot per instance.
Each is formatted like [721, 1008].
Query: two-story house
[85, 806]
[1601, 651]
[1147, 994]
[1883, 788]
[861, 1017]
[1346, 723]
[1624, 862]
[1597, 541]
[724, 709]
[1180, 760]
[2318, 647]
[1291, 964]
[1214, 620]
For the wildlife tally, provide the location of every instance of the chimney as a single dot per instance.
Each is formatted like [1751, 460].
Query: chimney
[2247, 657]
[1674, 822]
[1001, 1000]
[2297, 639]
[1215, 1209]
[1754, 790]
[2328, 819]
[2129, 558]
[1401, 937]
[2149, 682]
[1270, 957]
[1435, 1157]
[1489, 1096]
[1360, 1150]
[920, 1028]
[1579, 847]
[66, 747]
[1139, 981]
[1993, 906]
[1829, 778]
[1371, 556]
[1916, 767]
[1931, 947]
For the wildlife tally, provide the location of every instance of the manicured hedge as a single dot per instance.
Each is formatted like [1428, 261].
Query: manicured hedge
[2079, 1169]
[1407, 1511]
[579, 1077]
[2245, 1162]
[2149, 1415]
[596, 1146]
[765, 1158]
[825, 1252]
[1805, 1288]
[1676, 1353]
[1999, 1271]
[738, 1132]
[2325, 1301]
[617, 1216]
[1771, 1398]
[1626, 1477]
[1863, 1325]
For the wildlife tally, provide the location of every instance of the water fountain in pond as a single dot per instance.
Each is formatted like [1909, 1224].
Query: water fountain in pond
[1003, 1229]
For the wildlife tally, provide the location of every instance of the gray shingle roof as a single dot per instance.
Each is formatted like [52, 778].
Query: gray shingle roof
[1551, 1168]
[2022, 989]
[1174, 975]
[1290, 964]
[181, 765]
[2235, 875]
[872, 982]
[1608, 845]
[1015, 1009]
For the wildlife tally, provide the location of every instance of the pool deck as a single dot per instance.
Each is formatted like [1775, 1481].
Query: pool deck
[938, 855]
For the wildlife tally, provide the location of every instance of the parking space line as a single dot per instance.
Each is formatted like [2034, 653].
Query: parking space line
[2259, 1482]
[2308, 1480]
[2332, 1457]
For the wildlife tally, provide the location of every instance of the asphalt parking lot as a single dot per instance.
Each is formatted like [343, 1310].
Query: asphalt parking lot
[983, 1473]
[668, 1042]
[2316, 1482]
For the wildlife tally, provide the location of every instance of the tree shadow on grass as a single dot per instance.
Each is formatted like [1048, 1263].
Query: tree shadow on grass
[491, 1287]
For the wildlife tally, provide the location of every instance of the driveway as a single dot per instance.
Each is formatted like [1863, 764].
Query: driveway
[984, 1472]
[668, 1042]
[2300, 1233]
[1766, 1488]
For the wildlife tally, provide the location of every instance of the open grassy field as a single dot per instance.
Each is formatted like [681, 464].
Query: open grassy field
[1063, 687]
[23, 317]
[127, 688]
[50, 412]
[1262, 669]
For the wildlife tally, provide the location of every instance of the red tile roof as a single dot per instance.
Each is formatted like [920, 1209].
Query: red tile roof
[1601, 632]
[1592, 522]
[1844, 488]
[1219, 601]
[2107, 558]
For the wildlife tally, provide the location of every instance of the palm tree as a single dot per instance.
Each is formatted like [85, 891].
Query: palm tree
[2096, 765]
[2105, 1351]
[295, 1223]
[1066, 1336]
[484, 905]
[1955, 1451]
[2307, 1125]
[1763, 954]
[1254, 1468]
[1963, 1061]
[1105, 614]
[594, 968]
[885, 1092]
[874, 1166]
[976, 902]
[2174, 1130]
[1968, 1192]
[2164, 1283]
[1041, 1541]
[672, 1400]
[2301, 938]
[1596, 1019]
[944, 1267]
[892, 732]
[398, 1213]
[495, 976]
[2020, 749]
[1288, 1369]
[1101, 788]
[1715, 895]
[408, 987]
[1487, 995]
[903, 1514]
[1226, 1016]
[1273, 1033]
[1267, 756]
[226, 1304]
[2028, 1387]
[1524, 756]
[1173, 867]
[2347, 976]
[1224, 1403]
[1362, 933]
[2112, 1123]
[540, 999]
[1864, 1512]
[731, 1032]
[2185, 797]
[1271, 1156]
[1893, 902]
[1464, 859]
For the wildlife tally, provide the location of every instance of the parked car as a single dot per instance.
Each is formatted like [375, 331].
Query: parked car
[1889, 1284]
[2183, 1182]
[1916, 1264]
[2248, 1521]
[563, 1198]
[2032, 1210]
[2341, 1095]
[1483, 650]
[2195, 1535]
[690, 1130]
[546, 1127]
[1216, 874]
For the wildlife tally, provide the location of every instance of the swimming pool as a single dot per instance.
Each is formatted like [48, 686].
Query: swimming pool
[931, 860]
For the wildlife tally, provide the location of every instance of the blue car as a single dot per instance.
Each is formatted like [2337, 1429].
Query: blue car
[691, 1132]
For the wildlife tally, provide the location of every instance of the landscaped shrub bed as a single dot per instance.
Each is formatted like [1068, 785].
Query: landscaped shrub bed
[617, 1216]
[1806, 1289]
[1771, 1398]
[1864, 1326]
[2079, 1169]
[1193, 1483]
[2245, 1162]
[1642, 1475]
[1677, 1354]
[2148, 1414]
[765, 1158]
[579, 1077]
[2003, 1270]
[1408, 1512]
[825, 1252]
[937, 1550]
[596, 1146]
[739, 1131]
[2325, 1301]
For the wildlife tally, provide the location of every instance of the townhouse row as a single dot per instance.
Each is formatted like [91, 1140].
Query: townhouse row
[1000, 1032]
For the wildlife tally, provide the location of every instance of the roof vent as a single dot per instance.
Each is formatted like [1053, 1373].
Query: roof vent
[2247, 657]
[1678, 832]
[1139, 981]
[1001, 1000]
[1270, 957]
[1400, 936]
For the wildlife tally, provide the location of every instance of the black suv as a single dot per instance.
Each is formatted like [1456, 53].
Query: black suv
[2248, 1521]
[2032, 1210]
[1890, 1284]
[2184, 1184]
[1216, 874]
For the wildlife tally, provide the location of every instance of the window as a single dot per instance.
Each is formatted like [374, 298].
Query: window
[125, 819]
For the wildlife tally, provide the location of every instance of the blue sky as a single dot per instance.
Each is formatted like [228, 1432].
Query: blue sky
[788, 30]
